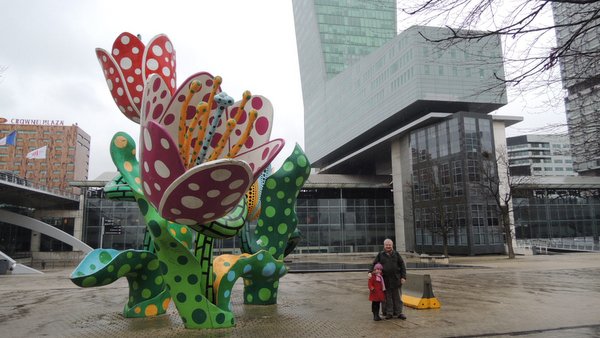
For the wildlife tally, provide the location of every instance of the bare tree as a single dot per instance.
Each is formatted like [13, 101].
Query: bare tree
[518, 21]
[434, 185]
[499, 185]
[537, 37]
[3, 69]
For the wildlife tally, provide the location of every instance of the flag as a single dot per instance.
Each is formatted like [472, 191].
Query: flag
[9, 139]
[38, 153]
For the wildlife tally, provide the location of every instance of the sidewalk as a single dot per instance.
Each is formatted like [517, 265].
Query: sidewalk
[531, 296]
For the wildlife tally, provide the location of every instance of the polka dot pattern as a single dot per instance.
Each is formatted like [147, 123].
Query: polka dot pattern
[130, 63]
[261, 273]
[262, 127]
[170, 120]
[260, 157]
[158, 149]
[148, 295]
[210, 177]
[277, 221]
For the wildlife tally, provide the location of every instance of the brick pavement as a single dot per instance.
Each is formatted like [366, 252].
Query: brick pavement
[532, 296]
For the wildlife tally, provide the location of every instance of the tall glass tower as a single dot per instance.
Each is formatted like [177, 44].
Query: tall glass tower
[351, 29]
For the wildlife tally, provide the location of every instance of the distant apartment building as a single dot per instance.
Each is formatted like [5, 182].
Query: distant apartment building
[540, 155]
[65, 157]
[580, 72]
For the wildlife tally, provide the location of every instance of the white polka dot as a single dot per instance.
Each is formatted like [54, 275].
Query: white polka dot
[175, 211]
[139, 88]
[104, 58]
[220, 175]
[231, 199]
[147, 189]
[152, 64]
[111, 70]
[120, 91]
[130, 79]
[186, 221]
[161, 169]
[208, 215]
[166, 71]
[122, 109]
[136, 99]
[157, 187]
[157, 50]
[191, 202]
[116, 51]
[125, 39]
[236, 184]
[169, 47]
[147, 140]
[126, 63]
[117, 80]
[193, 186]
[213, 193]
[172, 83]
[129, 108]
[137, 71]
[146, 167]
[164, 143]
[110, 84]
[135, 50]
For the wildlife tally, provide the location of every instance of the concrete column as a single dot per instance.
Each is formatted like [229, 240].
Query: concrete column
[401, 180]
[78, 222]
[36, 240]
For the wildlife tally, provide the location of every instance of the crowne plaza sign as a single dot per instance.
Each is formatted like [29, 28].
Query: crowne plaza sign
[38, 122]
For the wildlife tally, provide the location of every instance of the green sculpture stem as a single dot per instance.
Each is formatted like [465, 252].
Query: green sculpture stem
[148, 295]
[180, 268]
[204, 255]
[275, 231]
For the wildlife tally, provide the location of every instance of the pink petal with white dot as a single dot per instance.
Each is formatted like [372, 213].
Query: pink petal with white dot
[203, 206]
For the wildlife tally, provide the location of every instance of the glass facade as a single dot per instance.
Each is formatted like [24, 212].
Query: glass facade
[66, 224]
[14, 240]
[330, 220]
[551, 213]
[112, 224]
[448, 196]
[352, 29]
[344, 220]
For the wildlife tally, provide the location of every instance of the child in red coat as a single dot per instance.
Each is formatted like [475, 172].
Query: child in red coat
[376, 290]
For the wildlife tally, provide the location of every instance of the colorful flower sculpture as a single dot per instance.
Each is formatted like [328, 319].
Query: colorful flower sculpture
[201, 157]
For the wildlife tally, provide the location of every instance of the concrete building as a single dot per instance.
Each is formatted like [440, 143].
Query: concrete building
[66, 159]
[409, 107]
[540, 155]
[580, 72]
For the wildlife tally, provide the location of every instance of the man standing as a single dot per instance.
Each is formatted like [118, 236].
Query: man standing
[394, 275]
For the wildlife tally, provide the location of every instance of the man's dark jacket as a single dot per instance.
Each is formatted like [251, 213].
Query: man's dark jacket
[393, 268]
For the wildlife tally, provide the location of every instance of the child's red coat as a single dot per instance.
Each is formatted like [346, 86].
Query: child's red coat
[376, 293]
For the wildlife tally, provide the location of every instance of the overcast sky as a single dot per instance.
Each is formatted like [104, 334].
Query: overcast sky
[53, 73]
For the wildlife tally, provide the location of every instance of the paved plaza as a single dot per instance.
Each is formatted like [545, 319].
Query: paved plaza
[489, 296]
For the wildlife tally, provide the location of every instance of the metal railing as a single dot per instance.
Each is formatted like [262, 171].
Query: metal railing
[582, 244]
[15, 179]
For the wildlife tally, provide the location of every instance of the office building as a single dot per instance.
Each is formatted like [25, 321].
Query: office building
[580, 72]
[410, 106]
[540, 155]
